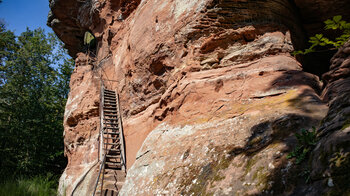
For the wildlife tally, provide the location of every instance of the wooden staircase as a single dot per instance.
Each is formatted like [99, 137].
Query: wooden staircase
[112, 171]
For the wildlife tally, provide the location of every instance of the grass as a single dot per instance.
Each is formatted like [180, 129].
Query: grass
[36, 186]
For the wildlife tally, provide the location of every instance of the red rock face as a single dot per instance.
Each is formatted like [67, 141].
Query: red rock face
[331, 157]
[207, 88]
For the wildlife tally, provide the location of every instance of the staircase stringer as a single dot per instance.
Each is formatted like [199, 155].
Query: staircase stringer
[121, 135]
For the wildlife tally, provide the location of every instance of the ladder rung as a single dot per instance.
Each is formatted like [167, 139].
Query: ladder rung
[118, 143]
[115, 140]
[111, 115]
[112, 156]
[115, 167]
[110, 111]
[111, 133]
[112, 150]
[109, 97]
[111, 138]
[111, 100]
[115, 105]
[108, 100]
[108, 123]
[112, 128]
[111, 119]
[114, 163]
[111, 108]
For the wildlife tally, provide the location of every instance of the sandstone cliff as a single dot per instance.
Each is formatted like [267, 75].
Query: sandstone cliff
[211, 96]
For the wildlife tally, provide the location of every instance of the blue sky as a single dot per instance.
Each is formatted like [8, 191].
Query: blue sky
[20, 14]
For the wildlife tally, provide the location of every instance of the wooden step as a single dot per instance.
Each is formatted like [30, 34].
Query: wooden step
[109, 104]
[109, 100]
[110, 111]
[112, 115]
[113, 166]
[110, 119]
[112, 156]
[112, 128]
[110, 163]
[108, 143]
[109, 123]
[109, 97]
[112, 150]
[116, 162]
[112, 107]
[108, 91]
[111, 133]
[110, 138]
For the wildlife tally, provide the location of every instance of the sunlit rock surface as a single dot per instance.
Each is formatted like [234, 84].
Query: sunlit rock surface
[211, 96]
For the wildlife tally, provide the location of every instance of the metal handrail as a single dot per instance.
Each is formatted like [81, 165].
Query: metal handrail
[99, 174]
[122, 148]
[101, 155]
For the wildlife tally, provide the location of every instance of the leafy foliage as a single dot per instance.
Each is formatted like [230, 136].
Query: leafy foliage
[336, 23]
[34, 86]
[306, 142]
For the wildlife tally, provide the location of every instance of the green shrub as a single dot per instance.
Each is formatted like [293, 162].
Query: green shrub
[336, 24]
[306, 142]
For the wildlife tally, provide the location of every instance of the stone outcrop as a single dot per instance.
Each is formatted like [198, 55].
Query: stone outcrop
[331, 157]
[211, 97]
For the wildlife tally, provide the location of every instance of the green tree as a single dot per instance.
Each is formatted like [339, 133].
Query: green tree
[35, 74]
